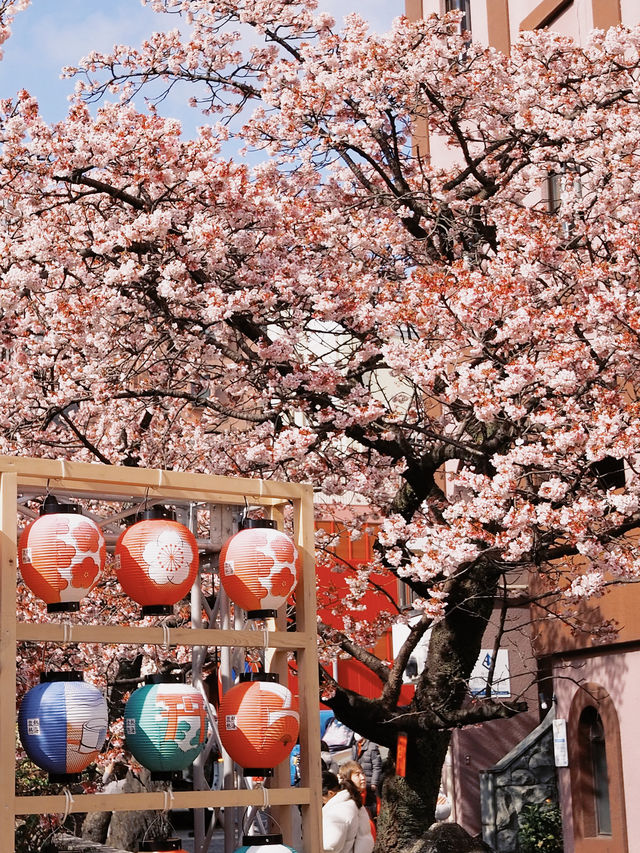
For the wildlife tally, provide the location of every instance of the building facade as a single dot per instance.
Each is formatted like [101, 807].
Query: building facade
[595, 691]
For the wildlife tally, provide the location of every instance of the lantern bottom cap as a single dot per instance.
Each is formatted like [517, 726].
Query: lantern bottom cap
[262, 614]
[157, 609]
[63, 607]
[65, 778]
[257, 771]
[274, 838]
[165, 775]
[155, 845]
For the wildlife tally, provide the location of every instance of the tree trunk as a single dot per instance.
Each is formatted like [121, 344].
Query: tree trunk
[409, 803]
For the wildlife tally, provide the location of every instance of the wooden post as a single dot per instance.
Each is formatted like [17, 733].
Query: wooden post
[8, 570]
[310, 766]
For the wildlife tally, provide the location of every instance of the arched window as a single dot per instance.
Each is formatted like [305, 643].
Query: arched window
[593, 754]
[463, 6]
[595, 763]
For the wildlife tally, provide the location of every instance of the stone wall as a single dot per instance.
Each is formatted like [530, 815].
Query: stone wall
[71, 844]
[526, 775]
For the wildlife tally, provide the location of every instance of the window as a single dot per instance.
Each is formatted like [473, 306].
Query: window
[463, 6]
[596, 773]
[610, 472]
[594, 755]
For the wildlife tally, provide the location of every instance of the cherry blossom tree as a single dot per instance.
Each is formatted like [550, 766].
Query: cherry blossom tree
[302, 292]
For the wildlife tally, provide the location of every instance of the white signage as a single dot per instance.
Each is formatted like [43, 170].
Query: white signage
[500, 683]
[560, 751]
[399, 634]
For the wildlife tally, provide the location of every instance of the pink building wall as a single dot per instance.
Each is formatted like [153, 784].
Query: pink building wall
[618, 672]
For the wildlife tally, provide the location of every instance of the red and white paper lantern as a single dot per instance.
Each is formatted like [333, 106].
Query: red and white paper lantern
[258, 723]
[259, 568]
[61, 555]
[156, 562]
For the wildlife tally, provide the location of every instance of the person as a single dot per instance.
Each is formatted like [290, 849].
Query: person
[353, 773]
[328, 761]
[337, 736]
[345, 823]
[367, 754]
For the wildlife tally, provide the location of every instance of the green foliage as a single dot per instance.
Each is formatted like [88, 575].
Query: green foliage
[33, 832]
[32, 835]
[540, 829]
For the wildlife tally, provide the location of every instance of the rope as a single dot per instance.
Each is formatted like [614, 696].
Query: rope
[265, 637]
[265, 798]
[67, 632]
[166, 635]
[168, 800]
[68, 804]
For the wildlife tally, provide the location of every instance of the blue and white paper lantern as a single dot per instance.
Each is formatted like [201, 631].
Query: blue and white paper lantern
[62, 724]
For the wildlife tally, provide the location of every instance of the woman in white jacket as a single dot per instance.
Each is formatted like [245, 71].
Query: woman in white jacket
[345, 823]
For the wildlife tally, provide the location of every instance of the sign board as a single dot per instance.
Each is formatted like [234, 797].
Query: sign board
[501, 684]
[560, 750]
[399, 634]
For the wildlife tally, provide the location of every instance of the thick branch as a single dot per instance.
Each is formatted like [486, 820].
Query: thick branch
[357, 652]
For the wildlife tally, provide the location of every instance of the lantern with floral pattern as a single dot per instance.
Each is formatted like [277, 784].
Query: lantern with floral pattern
[61, 555]
[156, 561]
[259, 568]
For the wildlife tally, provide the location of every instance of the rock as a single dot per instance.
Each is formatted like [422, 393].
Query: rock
[124, 830]
[96, 826]
[449, 838]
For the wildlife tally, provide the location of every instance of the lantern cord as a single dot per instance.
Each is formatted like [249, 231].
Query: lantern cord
[166, 635]
[265, 637]
[68, 804]
[67, 632]
[168, 800]
[265, 798]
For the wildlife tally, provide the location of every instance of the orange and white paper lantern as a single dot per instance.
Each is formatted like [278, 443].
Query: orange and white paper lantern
[156, 562]
[258, 723]
[61, 555]
[259, 568]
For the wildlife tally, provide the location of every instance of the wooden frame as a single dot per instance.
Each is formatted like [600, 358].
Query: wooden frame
[28, 476]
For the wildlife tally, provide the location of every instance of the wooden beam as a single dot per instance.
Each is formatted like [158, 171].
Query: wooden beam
[308, 684]
[88, 477]
[55, 632]
[159, 800]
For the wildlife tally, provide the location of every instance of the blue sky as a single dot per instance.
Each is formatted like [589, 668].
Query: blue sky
[54, 33]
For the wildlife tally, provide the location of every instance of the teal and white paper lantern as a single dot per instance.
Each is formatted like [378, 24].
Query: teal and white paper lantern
[165, 727]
